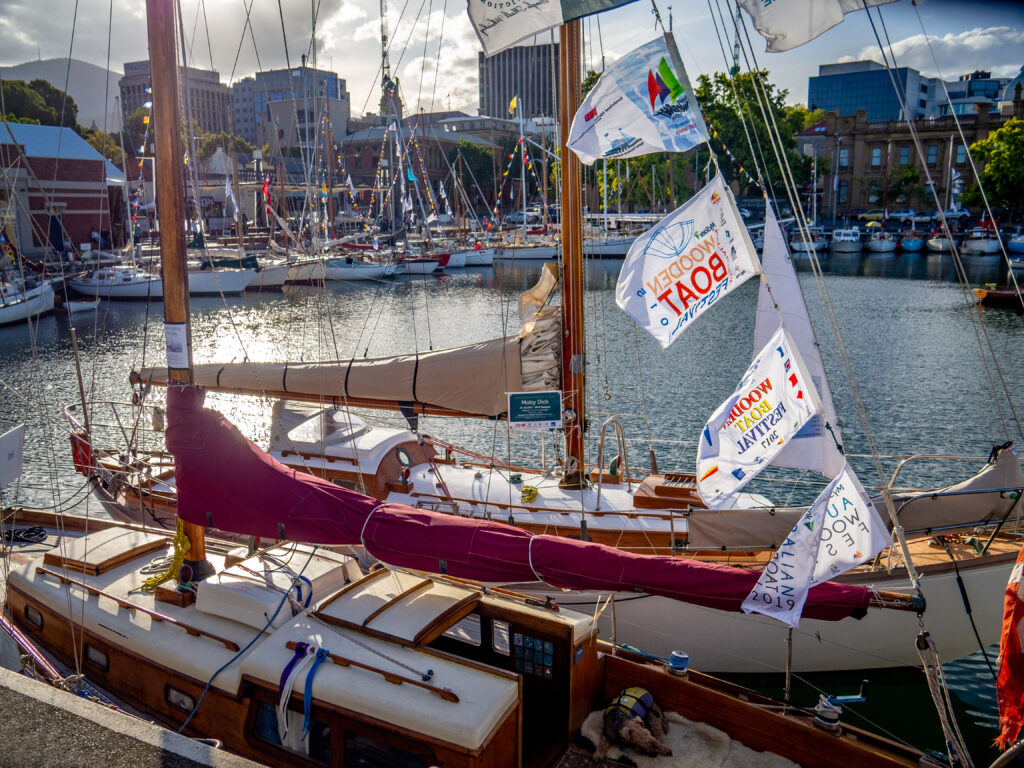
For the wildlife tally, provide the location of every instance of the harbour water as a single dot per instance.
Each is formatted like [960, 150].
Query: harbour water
[919, 362]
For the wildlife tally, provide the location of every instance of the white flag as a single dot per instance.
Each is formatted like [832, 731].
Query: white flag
[686, 262]
[786, 24]
[814, 446]
[230, 195]
[643, 103]
[773, 401]
[841, 530]
[351, 186]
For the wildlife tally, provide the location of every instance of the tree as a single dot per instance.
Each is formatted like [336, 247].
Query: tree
[1002, 153]
[717, 96]
[25, 103]
[64, 108]
[208, 143]
[106, 144]
[477, 164]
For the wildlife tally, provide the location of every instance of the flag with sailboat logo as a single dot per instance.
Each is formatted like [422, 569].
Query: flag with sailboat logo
[643, 103]
[685, 263]
[500, 25]
[841, 530]
[787, 24]
[774, 399]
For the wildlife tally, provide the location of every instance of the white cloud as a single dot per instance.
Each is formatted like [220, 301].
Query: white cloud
[993, 49]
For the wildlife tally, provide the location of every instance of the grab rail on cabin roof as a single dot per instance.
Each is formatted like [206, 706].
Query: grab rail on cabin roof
[194, 631]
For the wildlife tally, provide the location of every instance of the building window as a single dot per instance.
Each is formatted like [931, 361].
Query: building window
[904, 155]
[844, 158]
[876, 157]
[844, 191]
[961, 153]
[933, 154]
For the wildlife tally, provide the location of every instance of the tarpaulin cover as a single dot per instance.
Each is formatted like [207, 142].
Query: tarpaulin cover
[226, 481]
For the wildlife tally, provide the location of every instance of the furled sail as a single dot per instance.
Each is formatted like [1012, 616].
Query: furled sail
[813, 447]
[224, 480]
[471, 380]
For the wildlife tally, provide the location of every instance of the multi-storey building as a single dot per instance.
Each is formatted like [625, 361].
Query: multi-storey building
[866, 85]
[527, 72]
[305, 91]
[207, 97]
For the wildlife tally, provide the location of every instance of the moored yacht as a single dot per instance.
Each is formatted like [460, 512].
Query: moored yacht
[846, 240]
[880, 241]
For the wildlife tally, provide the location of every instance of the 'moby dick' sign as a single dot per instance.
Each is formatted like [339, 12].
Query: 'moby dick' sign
[687, 262]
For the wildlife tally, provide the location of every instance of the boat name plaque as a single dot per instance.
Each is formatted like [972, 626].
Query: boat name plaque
[535, 410]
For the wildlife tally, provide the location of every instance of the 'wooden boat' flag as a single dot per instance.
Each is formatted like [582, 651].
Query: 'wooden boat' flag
[787, 24]
[774, 399]
[643, 103]
[841, 530]
[685, 263]
[500, 25]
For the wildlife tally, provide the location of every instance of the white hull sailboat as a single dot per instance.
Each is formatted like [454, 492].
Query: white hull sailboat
[479, 257]
[353, 269]
[119, 282]
[19, 302]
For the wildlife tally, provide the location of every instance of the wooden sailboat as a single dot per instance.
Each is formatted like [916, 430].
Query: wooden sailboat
[290, 654]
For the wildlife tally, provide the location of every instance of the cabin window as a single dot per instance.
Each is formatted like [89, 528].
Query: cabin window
[33, 617]
[466, 631]
[96, 657]
[179, 699]
[363, 751]
[316, 746]
[499, 637]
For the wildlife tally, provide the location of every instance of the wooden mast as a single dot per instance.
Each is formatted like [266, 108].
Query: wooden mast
[163, 68]
[572, 258]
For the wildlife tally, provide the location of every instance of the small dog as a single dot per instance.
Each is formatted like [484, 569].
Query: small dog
[634, 718]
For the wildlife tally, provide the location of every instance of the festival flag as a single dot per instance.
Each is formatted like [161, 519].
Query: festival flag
[774, 399]
[815, 446]
[841, 530]
[410, 175]
[786, 24]
[688, 261]
[643, 103]
[266, 195]
[513, 104]
[351, 186]
[1010, 683]
[502, 26]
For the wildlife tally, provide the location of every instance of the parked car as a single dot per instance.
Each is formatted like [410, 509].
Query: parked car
[517, 218]
[923, 217]
[959, 215]
[903, 216]
[875, 214]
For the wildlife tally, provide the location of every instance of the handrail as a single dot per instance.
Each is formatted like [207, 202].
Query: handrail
[906, 460]
[194, 631]
[445, 693]
[620, 439]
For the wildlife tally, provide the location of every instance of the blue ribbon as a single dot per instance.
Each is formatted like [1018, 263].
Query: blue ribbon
[321, 654]
[300, 651]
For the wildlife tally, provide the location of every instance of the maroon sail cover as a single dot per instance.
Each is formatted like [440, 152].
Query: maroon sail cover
[226, 481]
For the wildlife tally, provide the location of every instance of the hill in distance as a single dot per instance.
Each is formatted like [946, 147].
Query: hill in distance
[85, 85]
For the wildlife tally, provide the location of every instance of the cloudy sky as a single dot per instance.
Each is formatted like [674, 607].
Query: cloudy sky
[964, 36]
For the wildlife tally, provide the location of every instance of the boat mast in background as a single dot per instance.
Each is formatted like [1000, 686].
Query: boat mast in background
[570, 53]
[170, 208]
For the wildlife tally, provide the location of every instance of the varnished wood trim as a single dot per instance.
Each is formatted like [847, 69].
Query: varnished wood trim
[349, 587]
[342, 661]
[448, 617]
[194, 631]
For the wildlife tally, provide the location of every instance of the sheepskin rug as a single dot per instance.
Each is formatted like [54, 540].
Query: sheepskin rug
[694, 745]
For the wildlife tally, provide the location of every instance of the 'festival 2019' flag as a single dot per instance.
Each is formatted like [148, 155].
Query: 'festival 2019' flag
[774, 399]
[500, 25]
[643, 103]
[841, 530]
[686, 262]
[786, 24]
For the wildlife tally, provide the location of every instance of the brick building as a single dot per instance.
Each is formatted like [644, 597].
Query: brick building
[863, 155]
[55, 186]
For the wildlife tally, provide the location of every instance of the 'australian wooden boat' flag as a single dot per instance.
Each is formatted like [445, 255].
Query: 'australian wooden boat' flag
[502, 25]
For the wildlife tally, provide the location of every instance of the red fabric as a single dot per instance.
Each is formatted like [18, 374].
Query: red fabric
[266, 194]
[226, 481]
[1010, 685]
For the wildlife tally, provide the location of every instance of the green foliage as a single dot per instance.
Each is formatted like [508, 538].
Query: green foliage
[904, 183]
[590, 81]
[718, 99]
[40, 103]
[1002, 153]
[208, 143]
[106, 144]
[478, 160]
[802, 118]
[13, 118]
